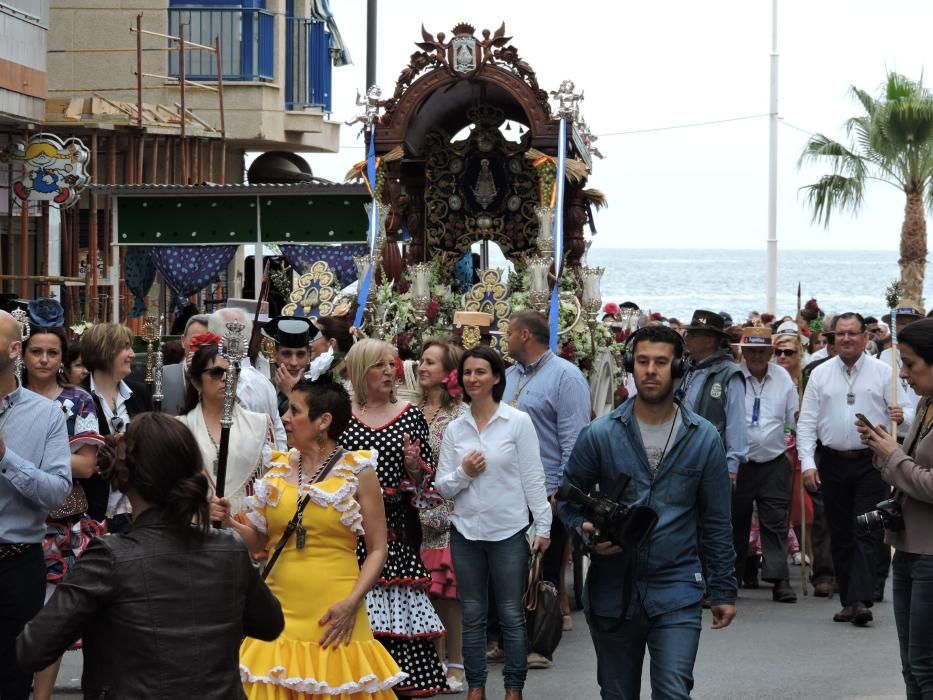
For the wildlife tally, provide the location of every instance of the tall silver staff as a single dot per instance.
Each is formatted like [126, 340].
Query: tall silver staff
[233, 350]
[22, 318]
[157, 365]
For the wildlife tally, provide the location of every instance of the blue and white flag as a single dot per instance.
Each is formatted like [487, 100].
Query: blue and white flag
[558, 229]
[362, 291]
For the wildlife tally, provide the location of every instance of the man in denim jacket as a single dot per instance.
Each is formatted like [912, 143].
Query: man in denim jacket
[678, 468]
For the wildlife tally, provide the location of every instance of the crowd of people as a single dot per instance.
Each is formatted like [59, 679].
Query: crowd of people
[360, 525]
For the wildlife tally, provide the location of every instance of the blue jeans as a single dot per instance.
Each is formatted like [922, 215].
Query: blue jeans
[504, 564]
[913, 613]
[672, 640]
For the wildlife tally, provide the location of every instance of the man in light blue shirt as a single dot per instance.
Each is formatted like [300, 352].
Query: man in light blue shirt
[35, 478]
[556, 395]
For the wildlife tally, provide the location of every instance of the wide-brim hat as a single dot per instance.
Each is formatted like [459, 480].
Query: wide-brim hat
[290, 331]
[709, 321]
[756, 337]
[908, 307]
[789, 329]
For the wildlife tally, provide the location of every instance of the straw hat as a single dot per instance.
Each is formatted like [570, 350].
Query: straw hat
[755, 337]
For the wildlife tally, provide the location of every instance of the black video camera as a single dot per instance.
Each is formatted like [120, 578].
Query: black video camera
[887, 515]
[625, 526]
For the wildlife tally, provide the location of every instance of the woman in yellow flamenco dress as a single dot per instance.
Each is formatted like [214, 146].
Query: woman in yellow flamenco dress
[327, 649]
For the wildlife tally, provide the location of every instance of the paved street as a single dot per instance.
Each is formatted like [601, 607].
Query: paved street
[771, 652]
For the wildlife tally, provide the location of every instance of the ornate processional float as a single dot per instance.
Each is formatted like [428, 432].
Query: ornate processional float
[468, 149]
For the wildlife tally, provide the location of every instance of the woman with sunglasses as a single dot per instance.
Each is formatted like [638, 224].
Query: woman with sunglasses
[251, 435]
[107, 353]
[69, 531]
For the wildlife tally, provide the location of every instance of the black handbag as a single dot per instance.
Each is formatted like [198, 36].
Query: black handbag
[544, 620]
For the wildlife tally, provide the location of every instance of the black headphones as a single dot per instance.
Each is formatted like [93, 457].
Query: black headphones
[678, 366]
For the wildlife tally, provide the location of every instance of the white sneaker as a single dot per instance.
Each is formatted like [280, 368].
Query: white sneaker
[538, 661]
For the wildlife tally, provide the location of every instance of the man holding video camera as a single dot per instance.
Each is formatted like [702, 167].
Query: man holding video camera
[651, 453]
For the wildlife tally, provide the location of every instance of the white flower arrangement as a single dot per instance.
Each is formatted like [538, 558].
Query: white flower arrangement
[79, 328]
[320, 365]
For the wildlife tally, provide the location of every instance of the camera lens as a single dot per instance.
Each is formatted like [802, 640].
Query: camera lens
[872, 521]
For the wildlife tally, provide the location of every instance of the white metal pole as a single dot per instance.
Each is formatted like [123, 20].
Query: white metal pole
[55, 248]
[771, 302]
[115, 263]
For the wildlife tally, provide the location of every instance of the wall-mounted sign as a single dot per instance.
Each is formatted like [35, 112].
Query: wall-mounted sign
[54, 171]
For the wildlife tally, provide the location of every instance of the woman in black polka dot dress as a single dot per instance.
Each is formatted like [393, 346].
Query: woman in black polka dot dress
[400, 610]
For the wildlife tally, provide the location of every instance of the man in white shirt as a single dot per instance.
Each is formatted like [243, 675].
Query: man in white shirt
[765, 478]
[850, 383]
[254, 391]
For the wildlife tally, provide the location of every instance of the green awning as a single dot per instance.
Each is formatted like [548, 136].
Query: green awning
[193, 216]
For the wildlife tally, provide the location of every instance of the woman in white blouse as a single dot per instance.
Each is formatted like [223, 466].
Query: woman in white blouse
[251, 435]
[490, 467]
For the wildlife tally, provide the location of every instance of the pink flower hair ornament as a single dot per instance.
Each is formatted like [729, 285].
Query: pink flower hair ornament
[451, 384]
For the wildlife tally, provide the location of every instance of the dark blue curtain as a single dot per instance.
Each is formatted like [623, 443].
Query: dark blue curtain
[340, 258]
[189, 269]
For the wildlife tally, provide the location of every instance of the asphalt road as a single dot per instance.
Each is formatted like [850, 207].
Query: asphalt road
[772, 651]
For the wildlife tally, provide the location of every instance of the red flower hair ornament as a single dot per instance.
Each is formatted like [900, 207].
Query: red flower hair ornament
[199, 341]
[451, 384]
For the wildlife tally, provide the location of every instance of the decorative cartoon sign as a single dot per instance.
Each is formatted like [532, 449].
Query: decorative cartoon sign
[53, 170]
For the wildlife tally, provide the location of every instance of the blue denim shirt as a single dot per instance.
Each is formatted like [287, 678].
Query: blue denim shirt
[690, 492]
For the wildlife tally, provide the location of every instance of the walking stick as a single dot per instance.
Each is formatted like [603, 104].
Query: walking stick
[232, 351]
[804, 566]
[893, 296]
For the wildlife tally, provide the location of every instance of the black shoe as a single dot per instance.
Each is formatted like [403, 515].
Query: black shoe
[878, 596]
[823, 589]
[783, 593]
[847, 614]
[861, 615]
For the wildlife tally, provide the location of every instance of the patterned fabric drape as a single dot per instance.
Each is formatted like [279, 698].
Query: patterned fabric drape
[140, 274]
[340, 258]
[189, 269]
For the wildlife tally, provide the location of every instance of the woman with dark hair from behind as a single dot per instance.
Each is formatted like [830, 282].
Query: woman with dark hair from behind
[909, 469]
[131, 596]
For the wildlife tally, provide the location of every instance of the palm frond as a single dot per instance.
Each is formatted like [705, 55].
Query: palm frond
[869, 104]
[834, 192]
[844, 161]
[899, 87]
[595, 197]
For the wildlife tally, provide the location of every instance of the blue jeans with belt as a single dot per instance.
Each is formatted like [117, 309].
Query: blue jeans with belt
[504, 564]
[913, 613]
[672, 640]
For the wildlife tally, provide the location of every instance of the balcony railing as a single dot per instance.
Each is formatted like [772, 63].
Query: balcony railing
[307, 64]
[247, 42]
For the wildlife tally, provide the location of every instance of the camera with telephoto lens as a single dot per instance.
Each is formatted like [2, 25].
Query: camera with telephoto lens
[625, 526]
[886, 516]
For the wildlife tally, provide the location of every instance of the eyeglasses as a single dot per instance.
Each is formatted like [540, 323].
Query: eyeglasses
[216, 372]
[784, 352]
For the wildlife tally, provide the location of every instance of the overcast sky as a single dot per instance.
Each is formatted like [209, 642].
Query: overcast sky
[647, 65]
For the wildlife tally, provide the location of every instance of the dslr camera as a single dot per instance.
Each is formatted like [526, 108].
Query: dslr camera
[886, 516]
[628, 527]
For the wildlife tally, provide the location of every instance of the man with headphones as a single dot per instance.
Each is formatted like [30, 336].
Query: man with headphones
[677, 466]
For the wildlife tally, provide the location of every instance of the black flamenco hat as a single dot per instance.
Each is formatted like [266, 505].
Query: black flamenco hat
[290, 331]
[708, 321]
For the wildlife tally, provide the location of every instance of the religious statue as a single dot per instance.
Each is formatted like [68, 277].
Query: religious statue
[568, 101]
[370, 104]
[485, 189]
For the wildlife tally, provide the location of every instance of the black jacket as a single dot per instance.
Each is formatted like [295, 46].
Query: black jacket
[96, 489]
[160, 616]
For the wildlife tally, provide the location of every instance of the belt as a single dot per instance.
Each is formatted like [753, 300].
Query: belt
[8, 551]
[848, 454]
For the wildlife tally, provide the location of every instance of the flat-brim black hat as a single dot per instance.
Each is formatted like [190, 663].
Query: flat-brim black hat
[290, 331]
[708, 321]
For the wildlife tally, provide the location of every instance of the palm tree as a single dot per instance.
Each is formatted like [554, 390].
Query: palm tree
[893, 143]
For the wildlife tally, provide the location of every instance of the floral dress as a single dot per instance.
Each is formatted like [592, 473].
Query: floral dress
[66, 538]
[435, 522]
[400, 610]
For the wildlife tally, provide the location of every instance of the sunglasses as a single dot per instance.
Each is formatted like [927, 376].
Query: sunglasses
[117, 424]
[216, 372]
[785, 352]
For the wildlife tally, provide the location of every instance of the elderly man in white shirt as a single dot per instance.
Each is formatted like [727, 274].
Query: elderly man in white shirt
[254, 391]
[765, 478]
[850, 383]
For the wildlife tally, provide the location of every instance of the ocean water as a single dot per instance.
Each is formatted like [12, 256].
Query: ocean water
[675, 282]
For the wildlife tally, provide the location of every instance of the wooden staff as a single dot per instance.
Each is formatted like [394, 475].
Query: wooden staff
[232, 351]
[804, 567]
